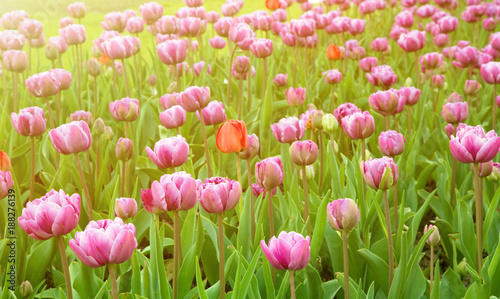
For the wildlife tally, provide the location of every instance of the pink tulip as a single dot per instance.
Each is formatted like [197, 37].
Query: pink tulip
[223, 25]
[54, 214]
[258, 190]
[242, 35]
[82, 115]
[332, 76]
[384, 102]
[397, 31]
[280, 80]
[6, 183]
[253, 148]
[63, 22]
[119, 47]
[217, 42]
[467, 57]
[367, 7]
[193, 3]
[472, 145]
[77, 10]
[490, 72]
[135, 25]
[262, 48]
[116, 21]
[437, 81]
[12, 19]
[290, 251]
[104, 242]
[15, 61]
[339, 25]
[229, 9]
[288, 130]
[412, 41]
[485, 169]
[391, 143]
[126, 109]
[440, 40]
[125, 207]
[344, 110]
[172, 52]
[303, 27]
[43, 85]
[357, 26]
[368, 63]
[380, 44]
[11, 40]
[212, 16]
[494, 176]
[105, 35]
[218, 195]
[495, 40]
[410, 95]
[304, 153]
[382, 75]
[405, 19]
[279, 15]
[169, 152]
[447, 24]
[199, 66]
[124, 149]
[189, 27]
[425, 11]
[63, 76]
[430, 61]
[359, 125]
[73, 34]
[380, 173]
[59, 43]
[343, 214]
[71, 138]
[175, 192]
[194, 98]
[241, 64]
[151, 12]
[169, 100]
[296, 96]
[471, 87]
[213, 113]
[269, 173]
[29, 122]
[31, 29]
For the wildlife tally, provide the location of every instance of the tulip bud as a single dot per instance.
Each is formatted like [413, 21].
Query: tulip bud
[317, 119]
[94, 67]
[269, 173]
[462, 268]
[99, 127]
[471, 87]
[329, 123]
[4, 162]
[26, 289]
[336, 147]
[343, 214]
[124, 149]
[152, 80]
[125, 207]
[304, 152]
[485, 169]
[408, 82]
[172, 87]
[380, 173]
[495, 172]
[309, 172]
[434, 236]
[96, 52]
[108, 133]
[391, 143]
[51, 52]
[253, 148]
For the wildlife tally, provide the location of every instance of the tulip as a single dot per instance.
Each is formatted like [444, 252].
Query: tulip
[433, 240]
[71, 138]
[6, 183]
[242, 35]
[169, 152]
[151, 12]
[380, 44]
[466, 57]
[29, 122]
[471, 87]
[5, 164]
[15, 61]
[343, 214]
[126, 109]
[11, 40]
[26, 289]
[288, 130]
[359, 125]
[455, 112]
[368, 63]
[217, 42]
[11, 20]
[213, 114]
[63, 22]
[169, 100]
[124, 149]
[332, 77]
[232, 137]
[473, 145]
[382, 75]
[44, 85]
[172, 52]
[252, 150]
[77, 10]
[304, 152]
[73, 34]
[495, 173]
[333, 52]
[269, 173]
[63, 76]
[447, 24]
[125, 207]
[411, 95]
[281, 80]
[296, 96]
[194, 98]
[173, 117]
[241, 64]
[391, 143]
[290, 251]
[386, 103]
[135, 25]
[405, 19]
[440, 40]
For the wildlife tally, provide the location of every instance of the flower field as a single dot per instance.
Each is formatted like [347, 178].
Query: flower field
[250, 149]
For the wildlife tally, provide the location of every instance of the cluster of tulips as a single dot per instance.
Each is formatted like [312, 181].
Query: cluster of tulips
[318, 48]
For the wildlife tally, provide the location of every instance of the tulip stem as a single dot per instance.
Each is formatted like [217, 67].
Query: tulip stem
[78, 66]
[479, 217]
[249, 91]
[230, 75]
[252, 211]
[112, 278]
[270, 212]
[292, 284]
[29, 54]
[97, 154]
[306, 200]
[51, 118]
[264, 79]
[321, 147]
[85, 189]
[126, 77]
[207, 154]
[387, 122]
[346, 264]
[494, 107]
[363, 202]
[32, 171]
[14, 90]
[177, 247]
[95, 97]
[58, 106]
[240, 102]
[409, 120]
[222, 281]
[64, 259]
[431, 274]
[417, 72]
[389, 237]
[122, 191]
[453, 180]
[333, 98]
[395, 198]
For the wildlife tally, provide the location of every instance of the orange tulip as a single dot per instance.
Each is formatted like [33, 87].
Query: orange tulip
[4, 162]
[333, 52]
[232, 136]
[273, 4]
[104, 59]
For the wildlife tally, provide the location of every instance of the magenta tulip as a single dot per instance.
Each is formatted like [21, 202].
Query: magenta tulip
[391, 143]
[125, 207]
[169, 152]
[29, 122]
[472, 144]
[290, 251]
[288, 130]
[343, 214]
[380, 173]
[71, 138]
[218, 195]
